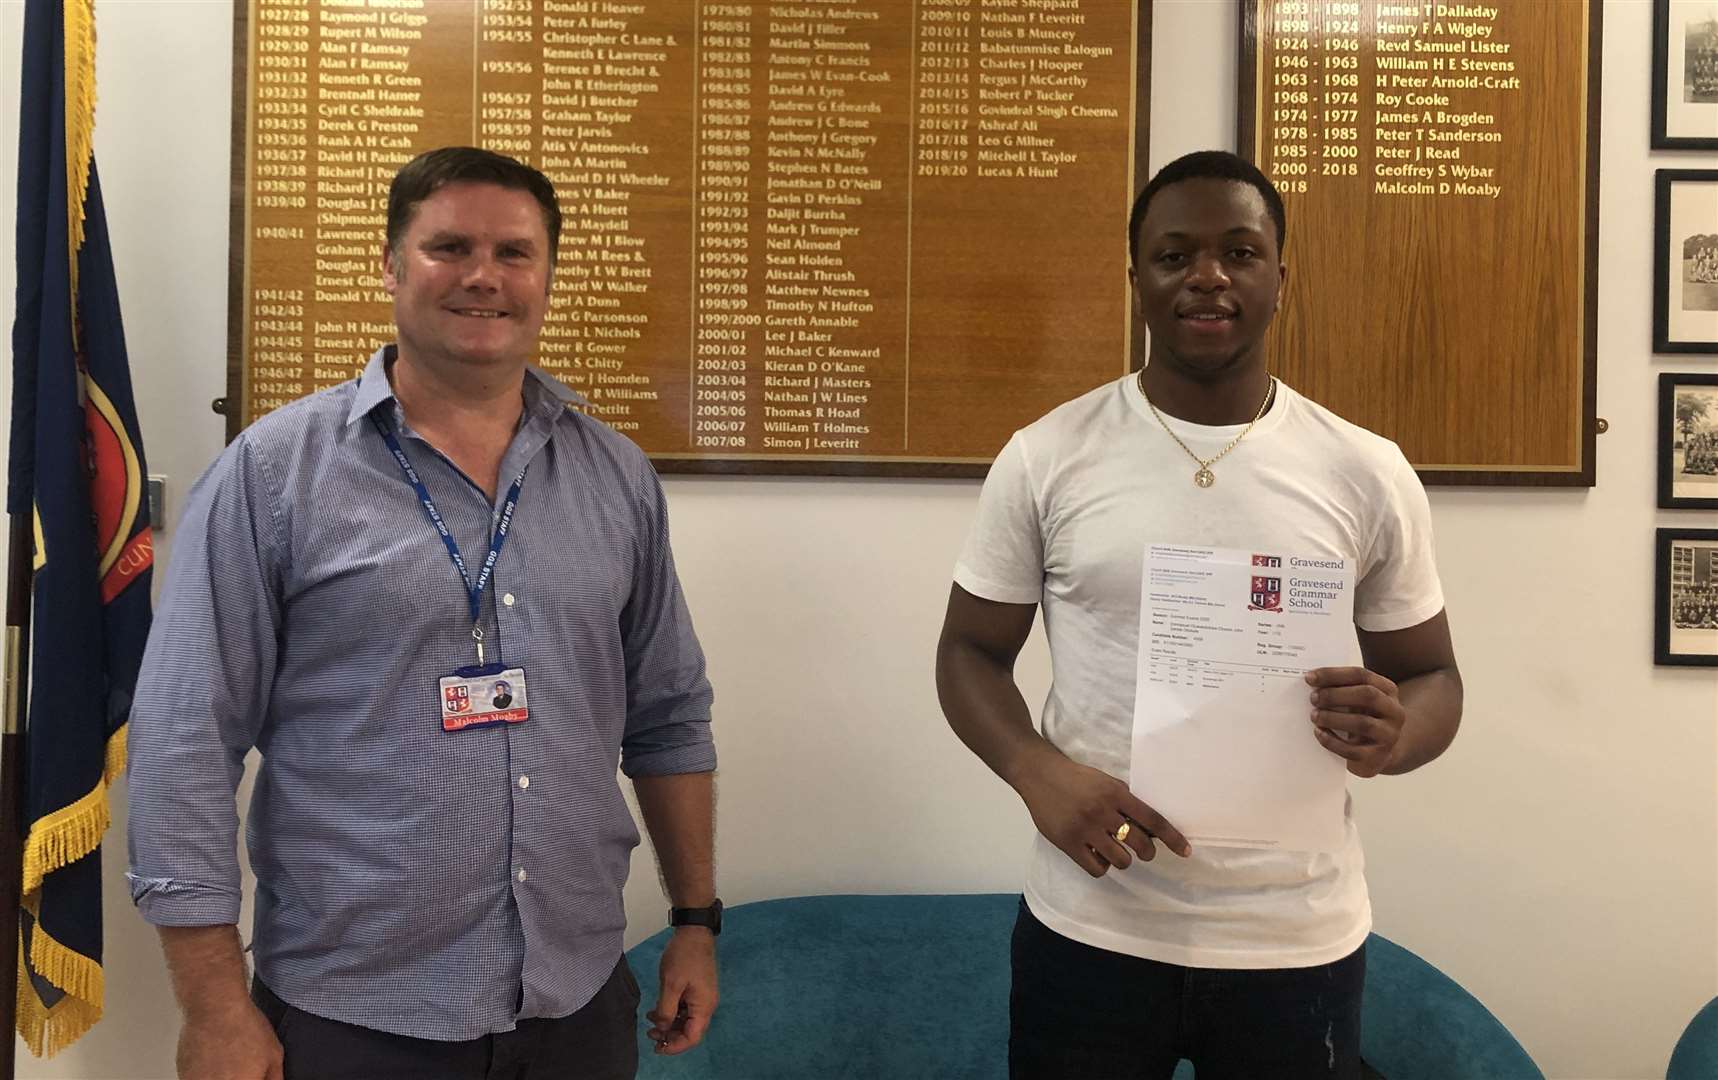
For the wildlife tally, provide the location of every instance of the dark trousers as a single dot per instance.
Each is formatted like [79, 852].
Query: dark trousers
[599, 1042]
[1084, 1013]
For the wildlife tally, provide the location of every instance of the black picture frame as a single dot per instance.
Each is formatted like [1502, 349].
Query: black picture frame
[1666, 181]
[1662, 137]
[1669, 465]
[1702, 565]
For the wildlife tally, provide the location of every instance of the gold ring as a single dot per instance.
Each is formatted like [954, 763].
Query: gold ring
[1121, 833]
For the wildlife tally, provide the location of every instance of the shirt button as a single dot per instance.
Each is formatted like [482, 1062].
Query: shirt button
[524, 781]
[520, 874]
[508, 599]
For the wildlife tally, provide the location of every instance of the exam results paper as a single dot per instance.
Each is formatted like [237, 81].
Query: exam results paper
[1223, 743]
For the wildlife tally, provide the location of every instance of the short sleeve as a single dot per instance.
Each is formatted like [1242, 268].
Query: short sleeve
[1399, 586]
[1004, 555]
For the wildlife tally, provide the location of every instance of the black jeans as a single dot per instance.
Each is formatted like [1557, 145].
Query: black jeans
[1084, 1013]
[599, 1042]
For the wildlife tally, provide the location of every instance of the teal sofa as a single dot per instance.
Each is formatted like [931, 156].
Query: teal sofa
[1696, 1053]
[908, 987]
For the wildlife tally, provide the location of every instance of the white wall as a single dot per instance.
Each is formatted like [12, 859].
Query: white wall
[1561, 861]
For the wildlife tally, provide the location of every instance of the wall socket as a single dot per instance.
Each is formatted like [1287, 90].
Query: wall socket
[157, 502]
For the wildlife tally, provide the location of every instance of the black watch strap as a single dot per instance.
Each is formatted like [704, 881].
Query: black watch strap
[708, 917]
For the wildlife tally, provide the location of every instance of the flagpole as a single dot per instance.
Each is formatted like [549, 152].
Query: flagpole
[20, 557]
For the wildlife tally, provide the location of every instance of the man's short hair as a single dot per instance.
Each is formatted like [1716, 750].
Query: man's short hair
[433, 170]
[1207, 165]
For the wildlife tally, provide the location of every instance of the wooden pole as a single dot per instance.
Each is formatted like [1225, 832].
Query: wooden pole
[19, 575]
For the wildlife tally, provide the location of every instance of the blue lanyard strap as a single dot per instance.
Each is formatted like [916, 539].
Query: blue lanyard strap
[474, 593]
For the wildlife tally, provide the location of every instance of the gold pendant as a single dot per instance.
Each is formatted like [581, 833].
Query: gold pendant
[1204, 477]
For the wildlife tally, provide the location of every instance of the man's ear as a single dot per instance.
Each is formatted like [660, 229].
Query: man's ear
[392, 272]
[1133, 292]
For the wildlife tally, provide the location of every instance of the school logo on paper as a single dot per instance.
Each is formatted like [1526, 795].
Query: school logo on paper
[456, 699]
[1267, 593]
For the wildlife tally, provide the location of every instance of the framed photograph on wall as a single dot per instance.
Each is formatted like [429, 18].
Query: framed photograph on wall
[1685, 261]
[1685, 623]
[1685, 74]
[1687, 441]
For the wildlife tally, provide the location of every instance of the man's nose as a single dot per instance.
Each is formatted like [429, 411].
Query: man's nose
[481, 272]
[1207, 272]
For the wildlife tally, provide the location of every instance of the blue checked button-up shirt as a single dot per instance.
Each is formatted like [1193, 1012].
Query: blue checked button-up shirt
[433, 884]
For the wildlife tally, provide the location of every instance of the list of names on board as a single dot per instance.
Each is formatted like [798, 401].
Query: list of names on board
[1394, 104]
[814, 230]
[1434, 158]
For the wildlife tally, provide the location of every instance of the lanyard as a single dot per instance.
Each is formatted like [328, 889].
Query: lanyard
[473, 592]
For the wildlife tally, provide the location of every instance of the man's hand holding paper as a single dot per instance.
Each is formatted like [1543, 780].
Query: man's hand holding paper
[1357, 715]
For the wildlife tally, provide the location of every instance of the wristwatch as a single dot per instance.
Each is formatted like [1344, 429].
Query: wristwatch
[708, 917]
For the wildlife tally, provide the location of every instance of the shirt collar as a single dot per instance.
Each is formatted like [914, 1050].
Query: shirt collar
[543, 393]
[373, 388]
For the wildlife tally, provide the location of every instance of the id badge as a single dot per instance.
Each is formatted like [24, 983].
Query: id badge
[483, 697]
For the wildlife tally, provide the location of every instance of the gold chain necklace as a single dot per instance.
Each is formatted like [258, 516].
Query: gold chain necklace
[1205, 477]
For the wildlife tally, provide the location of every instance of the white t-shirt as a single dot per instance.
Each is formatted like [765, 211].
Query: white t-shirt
[1064, 519]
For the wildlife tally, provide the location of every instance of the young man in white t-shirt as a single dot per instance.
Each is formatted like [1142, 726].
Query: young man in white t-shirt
[1249, 962]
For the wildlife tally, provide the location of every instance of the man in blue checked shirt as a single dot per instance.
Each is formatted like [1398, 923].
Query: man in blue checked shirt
[438, 871]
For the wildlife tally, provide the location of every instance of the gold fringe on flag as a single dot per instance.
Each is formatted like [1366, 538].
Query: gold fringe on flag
[80, 125]
[65, 836]
[47, 1031]
[71, 832]
[115, 760]
[66, 968]
[59, 839]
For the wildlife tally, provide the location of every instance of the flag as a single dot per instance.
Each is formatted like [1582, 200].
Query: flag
[77, 467]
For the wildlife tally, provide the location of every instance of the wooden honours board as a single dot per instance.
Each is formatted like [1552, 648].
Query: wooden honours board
[1439, 163]
[845, 236]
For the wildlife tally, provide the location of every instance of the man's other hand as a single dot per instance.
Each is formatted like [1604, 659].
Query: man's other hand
[688, 995]
[234, 1042]
[1080, 810]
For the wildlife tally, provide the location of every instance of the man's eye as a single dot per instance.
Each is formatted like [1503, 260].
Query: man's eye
[1244, 253]
[1171, 257]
